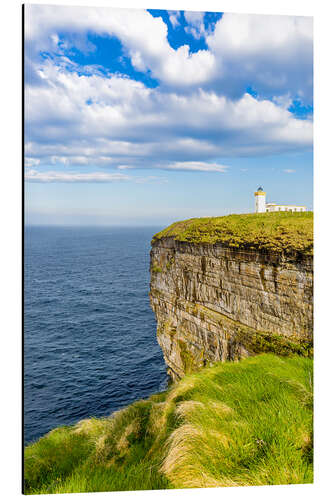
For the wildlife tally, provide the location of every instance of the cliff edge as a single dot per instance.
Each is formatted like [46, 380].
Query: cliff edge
[224, 288]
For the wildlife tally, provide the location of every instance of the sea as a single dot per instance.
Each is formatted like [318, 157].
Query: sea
[90, 343]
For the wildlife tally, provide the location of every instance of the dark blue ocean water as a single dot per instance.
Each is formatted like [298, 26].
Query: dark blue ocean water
[90, 343]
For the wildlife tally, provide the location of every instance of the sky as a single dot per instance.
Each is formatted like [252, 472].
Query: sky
[144, 117]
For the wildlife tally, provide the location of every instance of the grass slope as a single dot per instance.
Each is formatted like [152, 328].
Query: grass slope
[232, 424]
[278, 232]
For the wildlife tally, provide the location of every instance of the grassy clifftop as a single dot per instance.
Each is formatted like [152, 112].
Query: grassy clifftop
[232, 424]
[278, 232]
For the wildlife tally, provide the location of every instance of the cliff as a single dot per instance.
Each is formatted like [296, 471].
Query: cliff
[222, 289]
[229, 287]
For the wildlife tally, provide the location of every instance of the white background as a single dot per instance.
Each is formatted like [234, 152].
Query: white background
[10, 247]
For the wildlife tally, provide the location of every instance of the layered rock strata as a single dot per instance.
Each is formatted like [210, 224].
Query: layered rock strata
[213, 302]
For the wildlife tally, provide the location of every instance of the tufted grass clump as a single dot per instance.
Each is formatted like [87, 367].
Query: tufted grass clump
[279, 232]
[247, 423]
[231, 424]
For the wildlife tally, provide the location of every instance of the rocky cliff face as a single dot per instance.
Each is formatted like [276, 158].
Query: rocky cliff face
[213, 302]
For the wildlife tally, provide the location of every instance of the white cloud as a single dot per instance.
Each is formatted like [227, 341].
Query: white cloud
[174, 16]
[198, 166]
[90, 119]
[91, 177]
[143, 36]
[289, 171]
[283, 101]
[31, 162]
[195, 22]
[56, 176]
[95, 120]
[124, 167]
[273, 52]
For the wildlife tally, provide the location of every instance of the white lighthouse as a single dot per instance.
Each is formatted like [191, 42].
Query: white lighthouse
[260, 200]
[261, 205]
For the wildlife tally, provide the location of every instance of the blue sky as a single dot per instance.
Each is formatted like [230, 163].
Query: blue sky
[142, 117]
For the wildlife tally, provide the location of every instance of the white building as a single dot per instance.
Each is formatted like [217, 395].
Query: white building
[261, 205]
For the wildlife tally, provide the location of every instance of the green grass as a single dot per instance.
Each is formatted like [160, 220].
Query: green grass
[232, 424]
[278, 232]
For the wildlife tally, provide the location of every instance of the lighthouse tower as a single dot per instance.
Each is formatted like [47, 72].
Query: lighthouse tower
[260, 200]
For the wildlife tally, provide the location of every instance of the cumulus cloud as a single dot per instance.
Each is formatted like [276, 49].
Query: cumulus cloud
[199, 114]
[143, 36]
[110, 121]
[273, 52]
